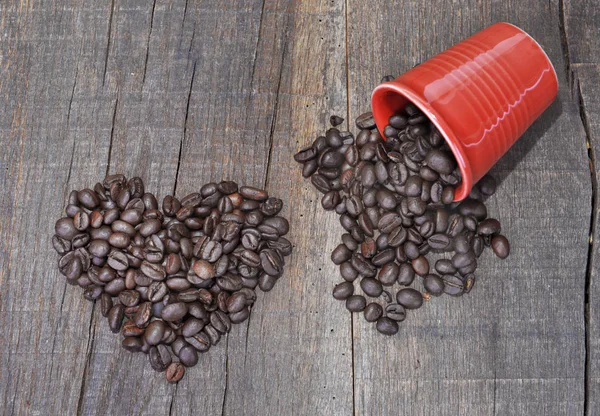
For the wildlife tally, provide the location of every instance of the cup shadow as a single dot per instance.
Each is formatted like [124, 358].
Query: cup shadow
[504, 167]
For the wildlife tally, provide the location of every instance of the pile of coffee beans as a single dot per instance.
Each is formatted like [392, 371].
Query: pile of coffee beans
[172, 281]
[395, 201]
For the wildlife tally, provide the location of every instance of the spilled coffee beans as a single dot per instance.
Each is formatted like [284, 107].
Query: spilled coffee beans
[396, 204]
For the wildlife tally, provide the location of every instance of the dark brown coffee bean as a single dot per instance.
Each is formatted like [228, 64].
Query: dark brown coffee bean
[387, 326]
[453, 285]
[306, 154]
[440, 242]
[461, 244]
[487, 185]
[440, 161]
[174, 372]
[447, 195]
[489, 226]
[433, 284]
[409, 298]
[65, 228]
[474, 208]
[220, 321]
[389, 274]
[115, 318]
[348, 272]
[356, 303]
[118, 260]
[373, 312]
[174, 311]
[365, 121]
[154, 332]
[371, 287]
[132, 344]
[106, 304]
[395, 312]
[463, 259]
[420, 265]
[129, 297]
[500, 246]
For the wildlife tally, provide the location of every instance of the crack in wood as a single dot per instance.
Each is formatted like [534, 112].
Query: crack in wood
[564, 42]
[108, 43]
[590, 254]
[185, 124]
[173, 398]
[148, 43]
[494, 403]
[226, 375]
[184, 14]
[112, 135]
[88, 358]
[260, 24]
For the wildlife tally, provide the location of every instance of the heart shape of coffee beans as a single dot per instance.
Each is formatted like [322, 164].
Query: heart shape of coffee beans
[172, 281]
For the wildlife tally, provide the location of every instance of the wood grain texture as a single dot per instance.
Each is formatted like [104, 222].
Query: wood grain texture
[515, 344]
[296, 359]
[581, 20]
[149, 74]
[182, 92]
[588, 81]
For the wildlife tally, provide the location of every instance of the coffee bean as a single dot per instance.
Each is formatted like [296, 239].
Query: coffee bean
[115, 318]
[356, 303]
[271, 262]
[118, 260]
[474, 208]
[448, 195]
[220, 321]
[306, 154]
[129, 297]
[453, 285]
[420, 265]
[444, 266]
[88, 198]
[363, 266]
[236, 302]
[371, 287]
[365, 121]
[348, 272]
[395, 312]
[383, 257]
[433, 284]
[160, 358]
[106, 304]
[174, 311]
[487, 185]
[489, 226]
[440, 242]
[455, 225]
[463, 259]
[266, 282]
[212, 334]
[154, 332]
[373, 312]
[132, 344]
[461, 244]
[387, 326]
[409, 298]
[389, 274]
[500, 246]
[65, 228]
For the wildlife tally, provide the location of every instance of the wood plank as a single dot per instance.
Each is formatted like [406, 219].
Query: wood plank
[56, 131]
[296, 358]
[150, 69]
[589, 79]
[581, 20]
[515, 345]
[226, 138]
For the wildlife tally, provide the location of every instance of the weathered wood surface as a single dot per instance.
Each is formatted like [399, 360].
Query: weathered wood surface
[181, 92]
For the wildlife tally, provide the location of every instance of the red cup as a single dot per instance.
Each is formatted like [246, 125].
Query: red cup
[481, 94]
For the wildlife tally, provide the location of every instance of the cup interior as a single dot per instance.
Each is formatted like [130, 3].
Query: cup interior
[391, 97]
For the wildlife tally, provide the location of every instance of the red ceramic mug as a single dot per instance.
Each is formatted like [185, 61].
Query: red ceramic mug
[482, 94]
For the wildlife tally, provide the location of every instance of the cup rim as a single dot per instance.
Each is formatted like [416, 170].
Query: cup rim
[397, 87]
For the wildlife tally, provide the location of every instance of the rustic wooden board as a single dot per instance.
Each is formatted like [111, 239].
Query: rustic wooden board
[515, 344]
[55, 137]
[149, 73]
[296, 358]
[581, 19]
[181, 92]
[588, 81]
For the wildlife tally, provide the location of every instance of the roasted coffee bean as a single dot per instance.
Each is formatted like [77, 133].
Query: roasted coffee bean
[236, 302]
[115, 286]
[500, 246]
[356, 303]
[271, 262]
[487, 185]
[389, 274]
[88, 198]
[160, 358]
[395, 312]
[388, 222]
[461, 244]
[409, 298]
[420, 265]
[118, 260]
[433, 284]
[154, 271]
[440, 161]
[132, 344]
[444, 266]
[371, 287]
[129, 297]
[474, 208]
[373, 312]
[106, 304]
[406, 274]
[343, 291]
[365, 121]
[463, 259]
[368, 248]
[348, 272]
[440, 242]
[188, 356]
[65, 228]
[174, 311]
[453, 285]
[489, 226]
[447, 195]
[115, 318]
[363, 266]
[174, 372]
[455, 225]
[220, 321]
[383, 257]
[306, 154]
[61, 245]
[387, 326]
[252, 193]
[154, 332]
[469, 282]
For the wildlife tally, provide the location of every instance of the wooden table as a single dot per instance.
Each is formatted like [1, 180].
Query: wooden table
[182, 92]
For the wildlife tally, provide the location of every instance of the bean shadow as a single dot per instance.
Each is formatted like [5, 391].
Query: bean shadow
[523, 146]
